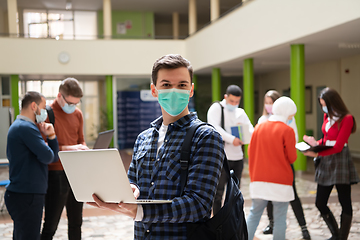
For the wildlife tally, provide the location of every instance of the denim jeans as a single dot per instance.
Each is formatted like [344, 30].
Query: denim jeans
[257, 209]
[26, 211]
[59, 194]
[295, 205]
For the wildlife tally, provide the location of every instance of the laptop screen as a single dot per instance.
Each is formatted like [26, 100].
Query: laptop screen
[104, 139]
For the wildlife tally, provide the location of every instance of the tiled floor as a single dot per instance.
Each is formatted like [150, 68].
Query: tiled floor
[99, 224]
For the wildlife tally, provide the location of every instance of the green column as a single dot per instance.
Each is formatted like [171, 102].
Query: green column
[14, 86]
[248, 95]
[216, 84]
[297, 93]
[109, 101]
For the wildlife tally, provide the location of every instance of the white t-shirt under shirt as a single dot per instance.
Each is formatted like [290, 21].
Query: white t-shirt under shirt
[162, 133]
[231, 118]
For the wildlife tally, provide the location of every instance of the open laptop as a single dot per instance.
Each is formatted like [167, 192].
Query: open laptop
[104, 139]
[101, 172]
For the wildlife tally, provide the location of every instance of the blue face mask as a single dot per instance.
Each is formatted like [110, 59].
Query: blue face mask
[231, 107]
[173, 100]
[42, 117]
[68, 108]
[288, 122]
[324, 108]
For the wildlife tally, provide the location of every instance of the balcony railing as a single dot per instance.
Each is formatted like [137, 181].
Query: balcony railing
[47, 35]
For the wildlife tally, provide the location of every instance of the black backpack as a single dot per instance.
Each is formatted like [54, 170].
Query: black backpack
[50, 113]
[229, 223]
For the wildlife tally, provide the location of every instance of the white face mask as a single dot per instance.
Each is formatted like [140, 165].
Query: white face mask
[68, 108]
[231, 107]
[42, 117]
[325, 109]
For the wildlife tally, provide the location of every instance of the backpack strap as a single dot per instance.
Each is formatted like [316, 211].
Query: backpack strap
[185, 154]
[50, 113]
[222, 116]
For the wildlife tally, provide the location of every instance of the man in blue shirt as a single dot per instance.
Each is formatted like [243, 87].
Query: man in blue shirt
[28, 156]
[154, 172]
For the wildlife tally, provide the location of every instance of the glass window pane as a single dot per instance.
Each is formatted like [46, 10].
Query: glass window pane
[5, 85]
[61, 24]
[21, 88]
[33, 86]
[91, 118]
[6, 102]
[38, 30]
[50, 89]
[85, 24]
[31, 19]
[90, 88]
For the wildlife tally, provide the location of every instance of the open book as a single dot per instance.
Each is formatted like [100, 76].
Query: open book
[303, 147]
[242, 132]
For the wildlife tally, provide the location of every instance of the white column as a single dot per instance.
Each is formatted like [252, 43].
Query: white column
[12, 10]
[176, 24]
[192, 17]
[107, 19]
[214, 9]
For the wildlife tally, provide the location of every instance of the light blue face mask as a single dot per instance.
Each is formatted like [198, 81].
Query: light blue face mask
[173, 100]
[68, 108]
[325, 109]
[42, 117]
[231, 107]
[288, 122]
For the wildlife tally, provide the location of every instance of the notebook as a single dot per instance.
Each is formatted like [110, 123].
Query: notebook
[104, 139]
[242, 132]
[99, 171]
[303, 147]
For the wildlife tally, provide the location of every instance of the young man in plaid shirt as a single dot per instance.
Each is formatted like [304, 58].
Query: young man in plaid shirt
[154, 172]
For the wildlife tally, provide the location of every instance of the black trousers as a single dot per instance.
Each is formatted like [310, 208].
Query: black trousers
[295, 205]
[237, 167]
[59, 194]
[26, 211]
[344, 196]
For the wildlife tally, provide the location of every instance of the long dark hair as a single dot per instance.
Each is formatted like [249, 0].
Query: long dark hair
[335, 105]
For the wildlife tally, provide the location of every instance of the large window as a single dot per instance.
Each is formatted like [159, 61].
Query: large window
[60, 24]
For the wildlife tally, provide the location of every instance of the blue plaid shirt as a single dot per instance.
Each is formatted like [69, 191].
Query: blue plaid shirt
[158, 177]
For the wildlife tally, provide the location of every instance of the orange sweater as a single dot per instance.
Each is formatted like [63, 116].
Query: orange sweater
[68, 129]
[271, 151]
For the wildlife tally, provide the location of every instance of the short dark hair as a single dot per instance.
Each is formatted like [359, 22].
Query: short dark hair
[30, 97]
[71, 87]
[335, 105]
[170, 61]
[234, 90]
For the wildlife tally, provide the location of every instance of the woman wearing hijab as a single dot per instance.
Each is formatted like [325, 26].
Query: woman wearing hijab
[271, 153]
